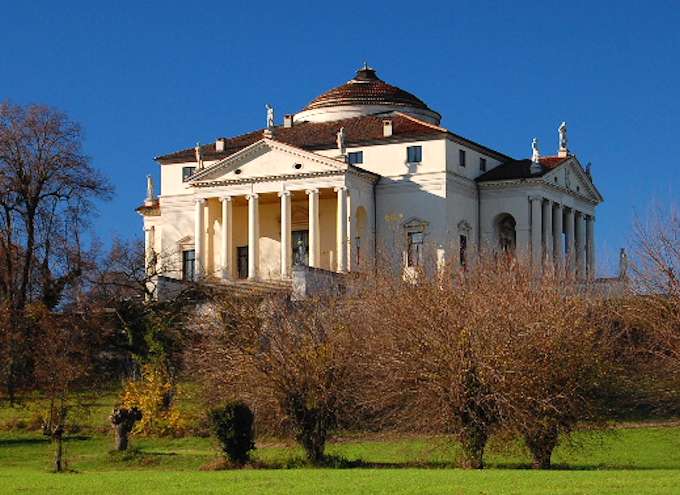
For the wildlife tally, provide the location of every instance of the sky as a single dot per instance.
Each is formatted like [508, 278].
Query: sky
[147, 78]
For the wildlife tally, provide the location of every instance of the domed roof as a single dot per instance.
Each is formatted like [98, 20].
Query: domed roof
[367, 94]
[366, 89]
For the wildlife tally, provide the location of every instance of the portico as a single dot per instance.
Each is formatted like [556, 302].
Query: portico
[259, 227]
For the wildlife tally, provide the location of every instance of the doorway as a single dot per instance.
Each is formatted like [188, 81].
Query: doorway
[242, 261]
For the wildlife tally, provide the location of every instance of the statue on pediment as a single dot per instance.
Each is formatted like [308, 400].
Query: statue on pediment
[340, 140]
[270, 116]
[562, 131]
[535, 153]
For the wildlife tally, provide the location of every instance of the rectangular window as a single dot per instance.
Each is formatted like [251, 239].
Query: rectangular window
[355, 157]
[414, 154]
[415, 248]
[187, 172]
[482, 164]
[189, 265]
[463, 251]
[461, 157]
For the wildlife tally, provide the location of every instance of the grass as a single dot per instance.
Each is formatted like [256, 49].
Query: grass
[636, 461]
[640, 460]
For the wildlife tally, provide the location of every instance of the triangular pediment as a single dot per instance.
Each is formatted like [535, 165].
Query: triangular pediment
[268, 158]
[570, 175]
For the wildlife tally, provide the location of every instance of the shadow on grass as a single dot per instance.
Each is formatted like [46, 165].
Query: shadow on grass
[9, 442]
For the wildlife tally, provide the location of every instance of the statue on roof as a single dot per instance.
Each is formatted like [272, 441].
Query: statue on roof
[340, 139]
[535, 153]
[199, 156]
[562, 131]
[270, 116]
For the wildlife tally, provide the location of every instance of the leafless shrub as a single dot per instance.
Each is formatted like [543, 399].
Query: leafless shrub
[292, 363]
[496, 347]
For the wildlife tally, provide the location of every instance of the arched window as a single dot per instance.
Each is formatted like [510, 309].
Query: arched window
[506, 233]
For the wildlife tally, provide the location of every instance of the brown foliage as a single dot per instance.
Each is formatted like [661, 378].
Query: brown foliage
[493, 348]
[294, 364]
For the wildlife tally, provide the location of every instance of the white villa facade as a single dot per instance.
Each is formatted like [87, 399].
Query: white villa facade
[364, 167]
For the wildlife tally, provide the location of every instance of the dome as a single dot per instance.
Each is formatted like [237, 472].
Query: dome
[365, 94]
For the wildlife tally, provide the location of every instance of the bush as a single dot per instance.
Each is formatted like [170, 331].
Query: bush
[233, 427]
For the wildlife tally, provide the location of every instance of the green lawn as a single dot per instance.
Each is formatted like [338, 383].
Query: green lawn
[635, 461]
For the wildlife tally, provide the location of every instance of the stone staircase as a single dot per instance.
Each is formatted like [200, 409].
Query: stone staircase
[249, 288]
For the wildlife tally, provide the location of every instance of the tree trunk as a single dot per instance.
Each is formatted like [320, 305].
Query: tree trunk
[473, 440]
[58, 439]
[122, 422]
[541, 442]
[121, 433]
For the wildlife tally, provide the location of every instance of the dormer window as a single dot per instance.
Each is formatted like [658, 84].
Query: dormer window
[414, 154]
[355, 157]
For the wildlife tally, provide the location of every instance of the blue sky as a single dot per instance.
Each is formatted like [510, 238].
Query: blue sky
[147, 78]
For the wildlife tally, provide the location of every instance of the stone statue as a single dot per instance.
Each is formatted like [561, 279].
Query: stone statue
[562, 131]
[270, 116]
[300, 254]
[535, 158]
[150, 194]
[199, 157]
[341, 140]
[535, 154]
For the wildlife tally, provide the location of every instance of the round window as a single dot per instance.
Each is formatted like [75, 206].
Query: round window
[297, 166]
[237, 171]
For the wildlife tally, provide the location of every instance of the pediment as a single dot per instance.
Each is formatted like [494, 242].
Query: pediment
[571, 176]
[268, 158]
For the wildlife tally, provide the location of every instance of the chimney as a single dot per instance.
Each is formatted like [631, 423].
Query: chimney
[219, 145]
[288, 120]
[387, 128]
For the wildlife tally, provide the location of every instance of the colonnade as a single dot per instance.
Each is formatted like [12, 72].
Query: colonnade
[575, 253]
[226, 262]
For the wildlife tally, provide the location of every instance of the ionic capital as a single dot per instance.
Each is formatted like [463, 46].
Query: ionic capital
[252, 196]
[312, 191]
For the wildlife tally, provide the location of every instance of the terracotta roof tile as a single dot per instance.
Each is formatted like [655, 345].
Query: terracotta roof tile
[521, 169]
[318, 135]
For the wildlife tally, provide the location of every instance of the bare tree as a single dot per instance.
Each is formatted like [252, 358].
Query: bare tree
[493, 348]
[63, 353]
[46, 190]
[294, 364]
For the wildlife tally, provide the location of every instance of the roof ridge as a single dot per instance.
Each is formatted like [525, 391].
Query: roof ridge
[423, 122]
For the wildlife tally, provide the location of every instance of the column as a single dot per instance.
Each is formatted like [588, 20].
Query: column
[580, 245]
[253, 236]
[314, 234]
[536, 230]
[341, 231]
[590, 245]
[558, 244]
[569, 234]
[286, 248]
[226, 238]
[198, 238]
[547, 233]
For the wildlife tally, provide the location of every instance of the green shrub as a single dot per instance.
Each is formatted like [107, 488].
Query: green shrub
[233, 427]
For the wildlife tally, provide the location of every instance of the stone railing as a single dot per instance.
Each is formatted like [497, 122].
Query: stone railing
[313, 282]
